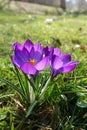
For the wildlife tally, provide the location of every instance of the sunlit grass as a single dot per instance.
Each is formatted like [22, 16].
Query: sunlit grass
[65, 32]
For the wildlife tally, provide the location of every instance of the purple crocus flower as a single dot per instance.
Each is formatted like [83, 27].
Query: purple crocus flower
[62, 63]
[59, 63]
[50, 51]
[29, 57]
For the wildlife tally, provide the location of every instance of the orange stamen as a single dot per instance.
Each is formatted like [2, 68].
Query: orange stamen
[32, 61]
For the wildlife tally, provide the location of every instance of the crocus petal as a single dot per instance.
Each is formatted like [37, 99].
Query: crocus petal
[69, 67]
[71, 63]
[48, 51]
[56, 62]
[57, 52]
[27, 68]
[66, 58]
[35, 55]
[45, 50]
[16, 61]
[38, 47]
[18, 45]
[55, 72]
[42, 64]
[22, 54]
[28, 44]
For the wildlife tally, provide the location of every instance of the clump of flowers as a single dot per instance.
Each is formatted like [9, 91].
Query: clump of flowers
[32, 60]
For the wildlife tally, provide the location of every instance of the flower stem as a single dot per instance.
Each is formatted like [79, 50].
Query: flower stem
[32, 94]
[45, 86]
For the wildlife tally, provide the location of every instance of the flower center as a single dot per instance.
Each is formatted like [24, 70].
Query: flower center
[32, 61]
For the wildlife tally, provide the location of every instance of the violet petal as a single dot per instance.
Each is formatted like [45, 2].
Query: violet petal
[66, 58]
[69, 67]
[17, 61]
[22, 54]
[35, 55]
[28, 68]
[56, 62]
[18, 45]
[42, 64]
[28, 44]
[38, 47]
[57, 52]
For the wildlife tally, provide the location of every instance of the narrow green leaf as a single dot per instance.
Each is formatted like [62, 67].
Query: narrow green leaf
[19, 78]
[31, 107]
[31, 83]
[13, 87]
[11, 122]
[45, 86]
[23, 84]
[26, 88]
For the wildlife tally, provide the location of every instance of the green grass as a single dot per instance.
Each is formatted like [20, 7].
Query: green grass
[68, 100]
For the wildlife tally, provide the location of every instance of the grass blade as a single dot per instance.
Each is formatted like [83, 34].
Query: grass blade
[11, 85]
[7, 95]
[31, 107]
